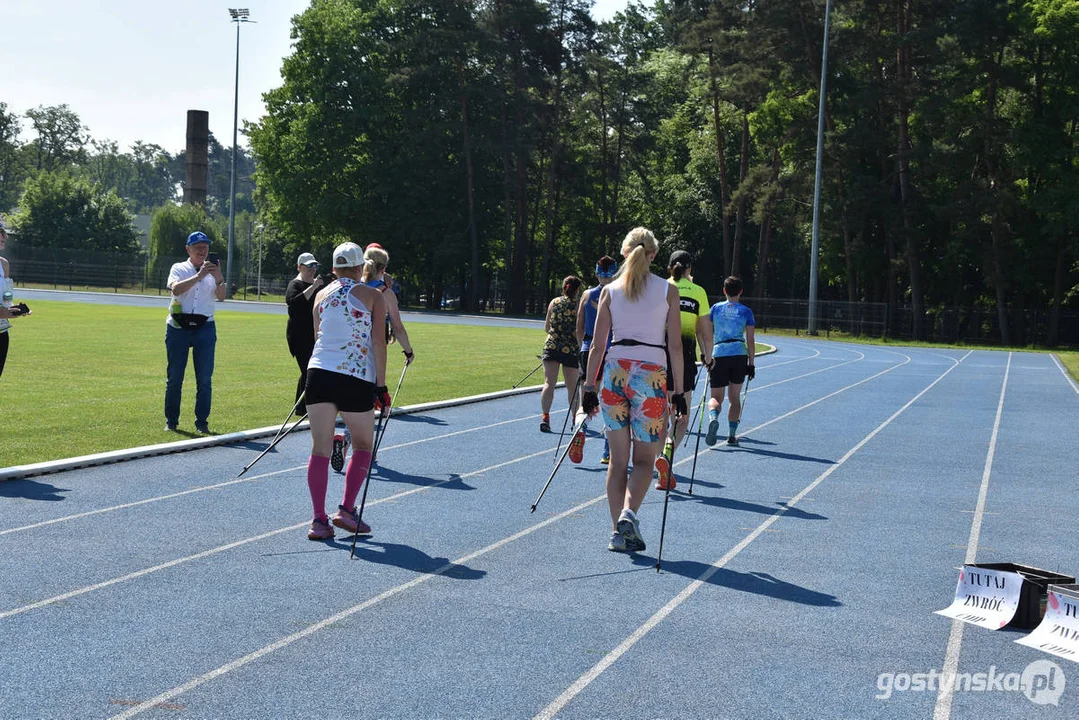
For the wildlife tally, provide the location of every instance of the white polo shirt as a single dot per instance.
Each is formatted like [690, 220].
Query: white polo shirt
[200, 299]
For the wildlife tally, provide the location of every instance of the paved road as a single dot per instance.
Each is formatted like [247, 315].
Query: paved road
[273, 308]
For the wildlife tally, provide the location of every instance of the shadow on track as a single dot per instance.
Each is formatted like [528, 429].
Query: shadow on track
[731, 504]
[407, 557]
[777, 454]
[31, 490]
[383, 474]
[757, 583]
[425, 419]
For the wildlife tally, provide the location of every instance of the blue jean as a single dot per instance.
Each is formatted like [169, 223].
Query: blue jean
[201, 342]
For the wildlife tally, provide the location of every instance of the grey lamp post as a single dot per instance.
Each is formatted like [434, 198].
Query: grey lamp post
[815, 250]
[239, 15]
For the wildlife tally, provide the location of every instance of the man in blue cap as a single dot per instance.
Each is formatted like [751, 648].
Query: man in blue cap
[196, 284]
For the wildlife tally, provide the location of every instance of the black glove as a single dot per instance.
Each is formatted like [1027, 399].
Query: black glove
[383, 401]
[679, 402]
[707, 361]
[19, 309]
[590, 402]
[751, 372]
[408, 357]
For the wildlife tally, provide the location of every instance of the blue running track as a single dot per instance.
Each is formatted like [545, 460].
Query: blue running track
[806, 563]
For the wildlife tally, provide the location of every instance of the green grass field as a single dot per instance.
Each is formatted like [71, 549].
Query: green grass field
[84, 378]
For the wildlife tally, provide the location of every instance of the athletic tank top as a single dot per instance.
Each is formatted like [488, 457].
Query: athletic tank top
[643, 321]
[344, 342]
[591, 308]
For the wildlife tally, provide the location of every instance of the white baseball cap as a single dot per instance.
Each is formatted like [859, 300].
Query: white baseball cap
[306, 259]
[347, 255]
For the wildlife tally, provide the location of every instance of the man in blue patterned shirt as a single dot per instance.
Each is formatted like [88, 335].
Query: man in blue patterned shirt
[732, 358]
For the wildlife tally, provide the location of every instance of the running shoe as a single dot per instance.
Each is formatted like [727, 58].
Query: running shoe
[337, 456]
[617, 542]
[349, 521]
[732, 441]
[320, 530]
[663, 467]
[605, 459]
[713, 432]
[630, 528]
[545, 426]
[576, 447]
[202, 427]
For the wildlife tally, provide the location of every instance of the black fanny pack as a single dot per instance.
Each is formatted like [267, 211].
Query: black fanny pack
[189, 321]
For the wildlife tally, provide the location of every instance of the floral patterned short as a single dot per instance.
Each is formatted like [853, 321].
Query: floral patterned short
[634, 393]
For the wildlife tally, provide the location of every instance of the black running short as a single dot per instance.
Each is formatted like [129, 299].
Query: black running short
[569, 359]
[349, 394]
[731, 369]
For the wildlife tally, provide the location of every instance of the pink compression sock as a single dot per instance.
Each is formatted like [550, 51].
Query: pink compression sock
[318, 472]
[358, 466]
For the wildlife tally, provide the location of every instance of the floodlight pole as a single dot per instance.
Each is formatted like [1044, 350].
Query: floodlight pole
[238, 16]
[261, 228]
[815, 247]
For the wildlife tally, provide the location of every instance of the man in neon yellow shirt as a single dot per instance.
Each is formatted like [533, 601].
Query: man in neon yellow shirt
[693, 304]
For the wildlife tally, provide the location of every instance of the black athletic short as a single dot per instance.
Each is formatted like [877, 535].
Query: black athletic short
[689, 365]
[349, 394]
[731, 369]
[569, 359]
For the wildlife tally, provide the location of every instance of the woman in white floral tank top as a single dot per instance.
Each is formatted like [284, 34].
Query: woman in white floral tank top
[346, 375]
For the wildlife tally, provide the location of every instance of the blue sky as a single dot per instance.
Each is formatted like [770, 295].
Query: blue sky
[132, 69]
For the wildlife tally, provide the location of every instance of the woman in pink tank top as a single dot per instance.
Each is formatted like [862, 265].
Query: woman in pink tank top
[637, 307]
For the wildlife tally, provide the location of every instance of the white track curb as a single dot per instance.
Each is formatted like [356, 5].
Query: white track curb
[84, 461]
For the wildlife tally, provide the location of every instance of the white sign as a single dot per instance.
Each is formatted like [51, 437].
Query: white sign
[986, 598]
[1058, 633]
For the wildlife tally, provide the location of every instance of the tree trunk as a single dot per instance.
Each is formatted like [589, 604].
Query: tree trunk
[724, 186]
[906, 197]
[740, 217]
[472, 296]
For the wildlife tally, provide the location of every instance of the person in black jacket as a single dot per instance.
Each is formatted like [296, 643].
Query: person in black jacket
[300, 331]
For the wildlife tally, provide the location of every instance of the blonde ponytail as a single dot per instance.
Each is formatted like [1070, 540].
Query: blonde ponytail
[375, 261]
[638, 245]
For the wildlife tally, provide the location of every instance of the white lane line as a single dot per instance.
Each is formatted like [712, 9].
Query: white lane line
[218, 486]
[946, 689]
[805, 375]
[559, 703]
[222, 548]
[348, 612]
[1064, 372]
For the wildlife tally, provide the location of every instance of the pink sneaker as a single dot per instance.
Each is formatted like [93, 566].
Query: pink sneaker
[349, 521]
[320, 530]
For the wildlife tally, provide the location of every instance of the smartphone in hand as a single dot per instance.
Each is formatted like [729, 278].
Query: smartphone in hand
[214, 258]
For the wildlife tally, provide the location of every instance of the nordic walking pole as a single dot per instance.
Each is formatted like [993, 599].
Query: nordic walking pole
[279, 438]
[700, 426]
[295, 407]
[666, 498]
[565, 452]
[569, 411]
[685, 440]
[379, 433]
[518, 383]
[745, 393]
[367, 483]
[387, 412]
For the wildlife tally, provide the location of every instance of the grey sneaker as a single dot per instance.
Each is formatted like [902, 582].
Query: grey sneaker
[713, 432]
[630, 528]
[732, 441]
[617, 543]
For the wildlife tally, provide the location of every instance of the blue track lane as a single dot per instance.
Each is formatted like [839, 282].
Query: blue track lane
[806, 563]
